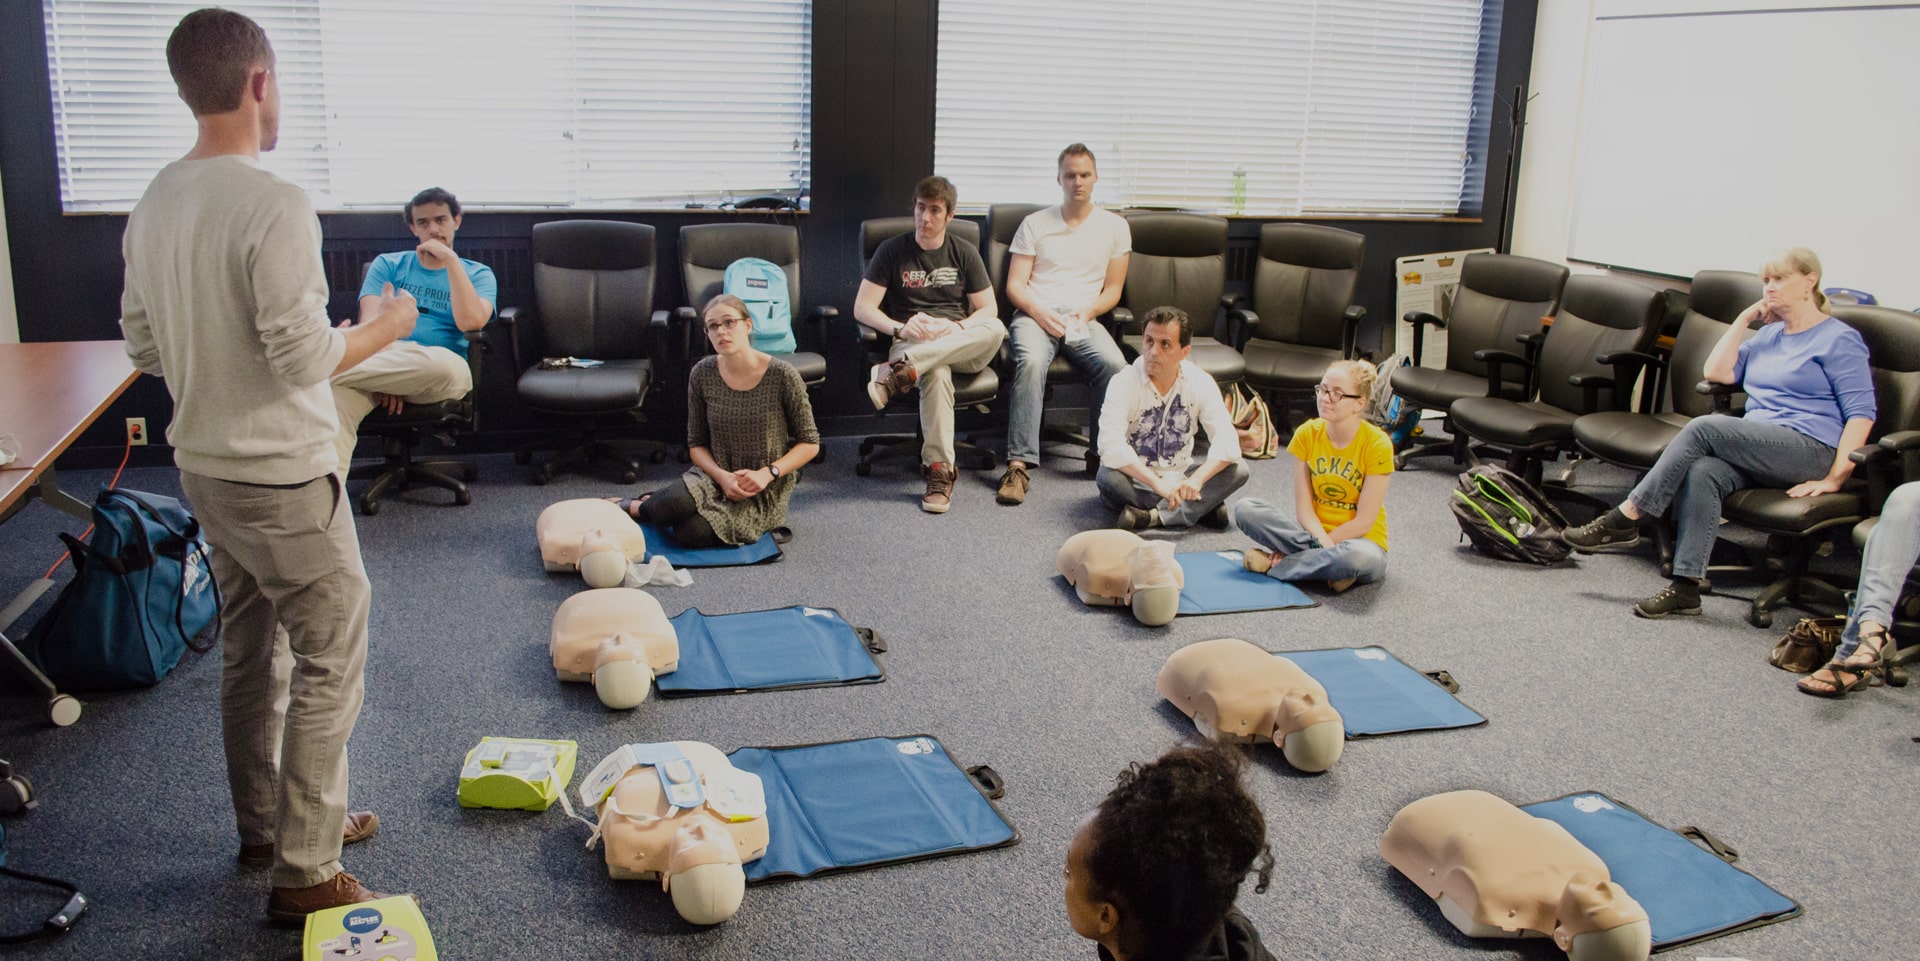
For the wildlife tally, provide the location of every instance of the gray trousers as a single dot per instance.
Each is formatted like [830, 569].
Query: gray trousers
[294, 643]
[968, 350]
[1120, 490]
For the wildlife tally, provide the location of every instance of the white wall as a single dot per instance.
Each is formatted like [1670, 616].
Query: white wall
[9, 317]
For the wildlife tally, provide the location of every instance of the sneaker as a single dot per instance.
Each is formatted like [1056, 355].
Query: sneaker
[1013, 485]
[1257, 561]
[1340, 586]
[889, 380]
[360, 826]
[294, 904]
[1216, 519]
[939, 494]
[1599, 536]
[1132, 518]
[1675, 598]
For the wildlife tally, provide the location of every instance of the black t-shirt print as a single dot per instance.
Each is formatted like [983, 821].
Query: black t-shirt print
[935, 282]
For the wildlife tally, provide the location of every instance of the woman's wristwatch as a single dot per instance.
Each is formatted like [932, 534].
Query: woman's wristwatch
[774, 469]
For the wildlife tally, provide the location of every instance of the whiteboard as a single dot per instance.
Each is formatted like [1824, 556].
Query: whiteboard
[1712, 139]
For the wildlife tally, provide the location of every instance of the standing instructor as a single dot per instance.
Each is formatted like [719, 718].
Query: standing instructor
[225, 299]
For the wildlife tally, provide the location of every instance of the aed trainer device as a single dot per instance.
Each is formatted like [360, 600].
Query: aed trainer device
[388, 929]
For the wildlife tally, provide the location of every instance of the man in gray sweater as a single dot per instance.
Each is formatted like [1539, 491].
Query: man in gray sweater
[225, 299]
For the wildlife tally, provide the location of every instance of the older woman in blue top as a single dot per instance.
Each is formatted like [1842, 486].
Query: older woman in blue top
[1809, 404]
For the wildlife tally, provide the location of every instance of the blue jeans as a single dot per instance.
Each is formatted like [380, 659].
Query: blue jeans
[1713, 456]
[1119, 490]
[1306, 558]
[1033, 349]
[1891, 550]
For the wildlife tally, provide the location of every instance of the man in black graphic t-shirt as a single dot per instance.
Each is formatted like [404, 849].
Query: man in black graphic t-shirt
[929, 291]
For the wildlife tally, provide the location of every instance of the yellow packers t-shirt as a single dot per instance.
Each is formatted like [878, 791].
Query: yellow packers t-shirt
[1337, 473]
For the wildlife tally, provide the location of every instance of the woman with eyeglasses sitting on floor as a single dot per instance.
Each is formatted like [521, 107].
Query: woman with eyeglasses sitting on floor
[749, 427]
[1337, 530]
[1810, 404]
[1864, 647]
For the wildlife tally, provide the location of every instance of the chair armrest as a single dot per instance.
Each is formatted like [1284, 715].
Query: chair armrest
[1901, 442]
[1350, 329]
[1722, 395]
[1632, 359]
[1420, 318]
[1240, 324]
[1903, 446]
[1232, 301]
[1627, 366]
[1590, 387]
[1122, 322]
[510, 318]
[1496, 360]
[1531, 340]
[659, 320]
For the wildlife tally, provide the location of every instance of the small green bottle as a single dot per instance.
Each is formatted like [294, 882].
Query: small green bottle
[1238, 199]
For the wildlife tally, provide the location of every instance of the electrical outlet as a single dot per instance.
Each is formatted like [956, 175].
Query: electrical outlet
[137, 431]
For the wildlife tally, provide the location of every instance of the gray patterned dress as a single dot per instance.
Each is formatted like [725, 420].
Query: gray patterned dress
[746, 430]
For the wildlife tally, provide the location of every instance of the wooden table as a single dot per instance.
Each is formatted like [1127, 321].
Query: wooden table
[49, 394]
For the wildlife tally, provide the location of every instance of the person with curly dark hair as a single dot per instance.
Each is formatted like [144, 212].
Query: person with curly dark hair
[1153, 872]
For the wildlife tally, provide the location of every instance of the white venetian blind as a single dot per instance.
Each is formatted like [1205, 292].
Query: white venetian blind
[1326, 106]
[610, 104]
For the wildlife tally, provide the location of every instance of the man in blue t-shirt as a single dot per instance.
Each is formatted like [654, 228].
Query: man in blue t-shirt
[431, 365]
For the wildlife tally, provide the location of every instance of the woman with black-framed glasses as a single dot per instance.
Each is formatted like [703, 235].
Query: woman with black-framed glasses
[1337, 529]
[749, 427]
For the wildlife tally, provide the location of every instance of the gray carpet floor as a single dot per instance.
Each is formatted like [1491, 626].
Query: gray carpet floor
[1681, 718]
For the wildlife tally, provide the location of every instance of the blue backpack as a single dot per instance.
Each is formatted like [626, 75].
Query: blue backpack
[140, 593]
[762, 285]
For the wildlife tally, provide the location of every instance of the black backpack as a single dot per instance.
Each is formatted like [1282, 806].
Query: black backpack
[1506, 517]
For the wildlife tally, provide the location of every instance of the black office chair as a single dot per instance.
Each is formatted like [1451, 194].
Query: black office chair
[1893, 461]
[1599, 317]
[1501, 298]
[1303, 315]
[1180, 260]
[1796, 526]
[400, 433]
[969, 390]
[1003, 220]
[593, 300]
[707, 250]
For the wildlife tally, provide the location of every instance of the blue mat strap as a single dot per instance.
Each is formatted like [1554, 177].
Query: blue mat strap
[1217, 584]
[781, 649]
[849, 805]
[758, 552]
[1690, 893]
[1377, 693]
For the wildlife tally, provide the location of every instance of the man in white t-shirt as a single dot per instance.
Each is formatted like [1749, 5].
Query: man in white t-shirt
[1067, 267]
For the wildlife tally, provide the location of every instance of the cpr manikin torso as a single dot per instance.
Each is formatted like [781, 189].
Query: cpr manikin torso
[618, 638]
[1499, 872]
[1236, 690]
[1112, 568]
[693, 832]
[594, 537]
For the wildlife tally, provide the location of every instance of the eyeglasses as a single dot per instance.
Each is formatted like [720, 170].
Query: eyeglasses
[716, 326]
[1330, 392]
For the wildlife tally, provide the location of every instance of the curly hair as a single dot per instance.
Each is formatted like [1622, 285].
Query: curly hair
[1171, 844]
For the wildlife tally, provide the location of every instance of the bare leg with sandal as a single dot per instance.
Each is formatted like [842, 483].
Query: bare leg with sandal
[1892, 548]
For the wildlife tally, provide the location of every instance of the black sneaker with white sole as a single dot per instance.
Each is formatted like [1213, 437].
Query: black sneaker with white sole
[1600, 537]
[1675, 598]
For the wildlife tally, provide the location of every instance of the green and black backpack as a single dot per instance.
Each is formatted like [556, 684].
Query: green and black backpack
[1504, 516]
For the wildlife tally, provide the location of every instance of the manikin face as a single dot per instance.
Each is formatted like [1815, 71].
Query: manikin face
[434, 222]
[1785, 290]
[930, 219]
[1337, 397]
[1077, 178]
[1091, 919]
[727, 330]
[1160, 348]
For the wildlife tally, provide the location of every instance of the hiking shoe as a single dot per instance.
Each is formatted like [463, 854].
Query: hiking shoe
[1602, 535]
[939, 494]
[889, 380]
[1216, 519]
[1132, 518]
[294, 904]
[1013, 485]
[1259, 562]
[360, 826]
[1675, 598]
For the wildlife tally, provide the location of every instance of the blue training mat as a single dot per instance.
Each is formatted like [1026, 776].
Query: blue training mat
[849, 805]
[780, 649]
[1377, 693]
[758, 552]
[1690, 894]
[1217, 584]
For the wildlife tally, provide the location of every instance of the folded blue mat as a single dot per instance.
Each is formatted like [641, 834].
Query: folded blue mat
[1217, 584]
[758, 552]
[1690, 894]
[849, 805]
[780, 649]
[1377, 693]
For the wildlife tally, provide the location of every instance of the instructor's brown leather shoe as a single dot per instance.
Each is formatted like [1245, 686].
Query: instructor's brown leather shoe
[294, 904]
[360, 826]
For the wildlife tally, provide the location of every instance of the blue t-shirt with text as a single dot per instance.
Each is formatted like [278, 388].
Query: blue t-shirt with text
[429, 289]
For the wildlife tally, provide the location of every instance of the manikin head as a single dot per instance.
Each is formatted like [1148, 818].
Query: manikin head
[223, 69]
[1158, 864]
[1593, 908]
[697, 852]
[602, 561]
[1109, 568]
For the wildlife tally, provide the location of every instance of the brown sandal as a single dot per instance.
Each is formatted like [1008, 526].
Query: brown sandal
[1868, 673]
